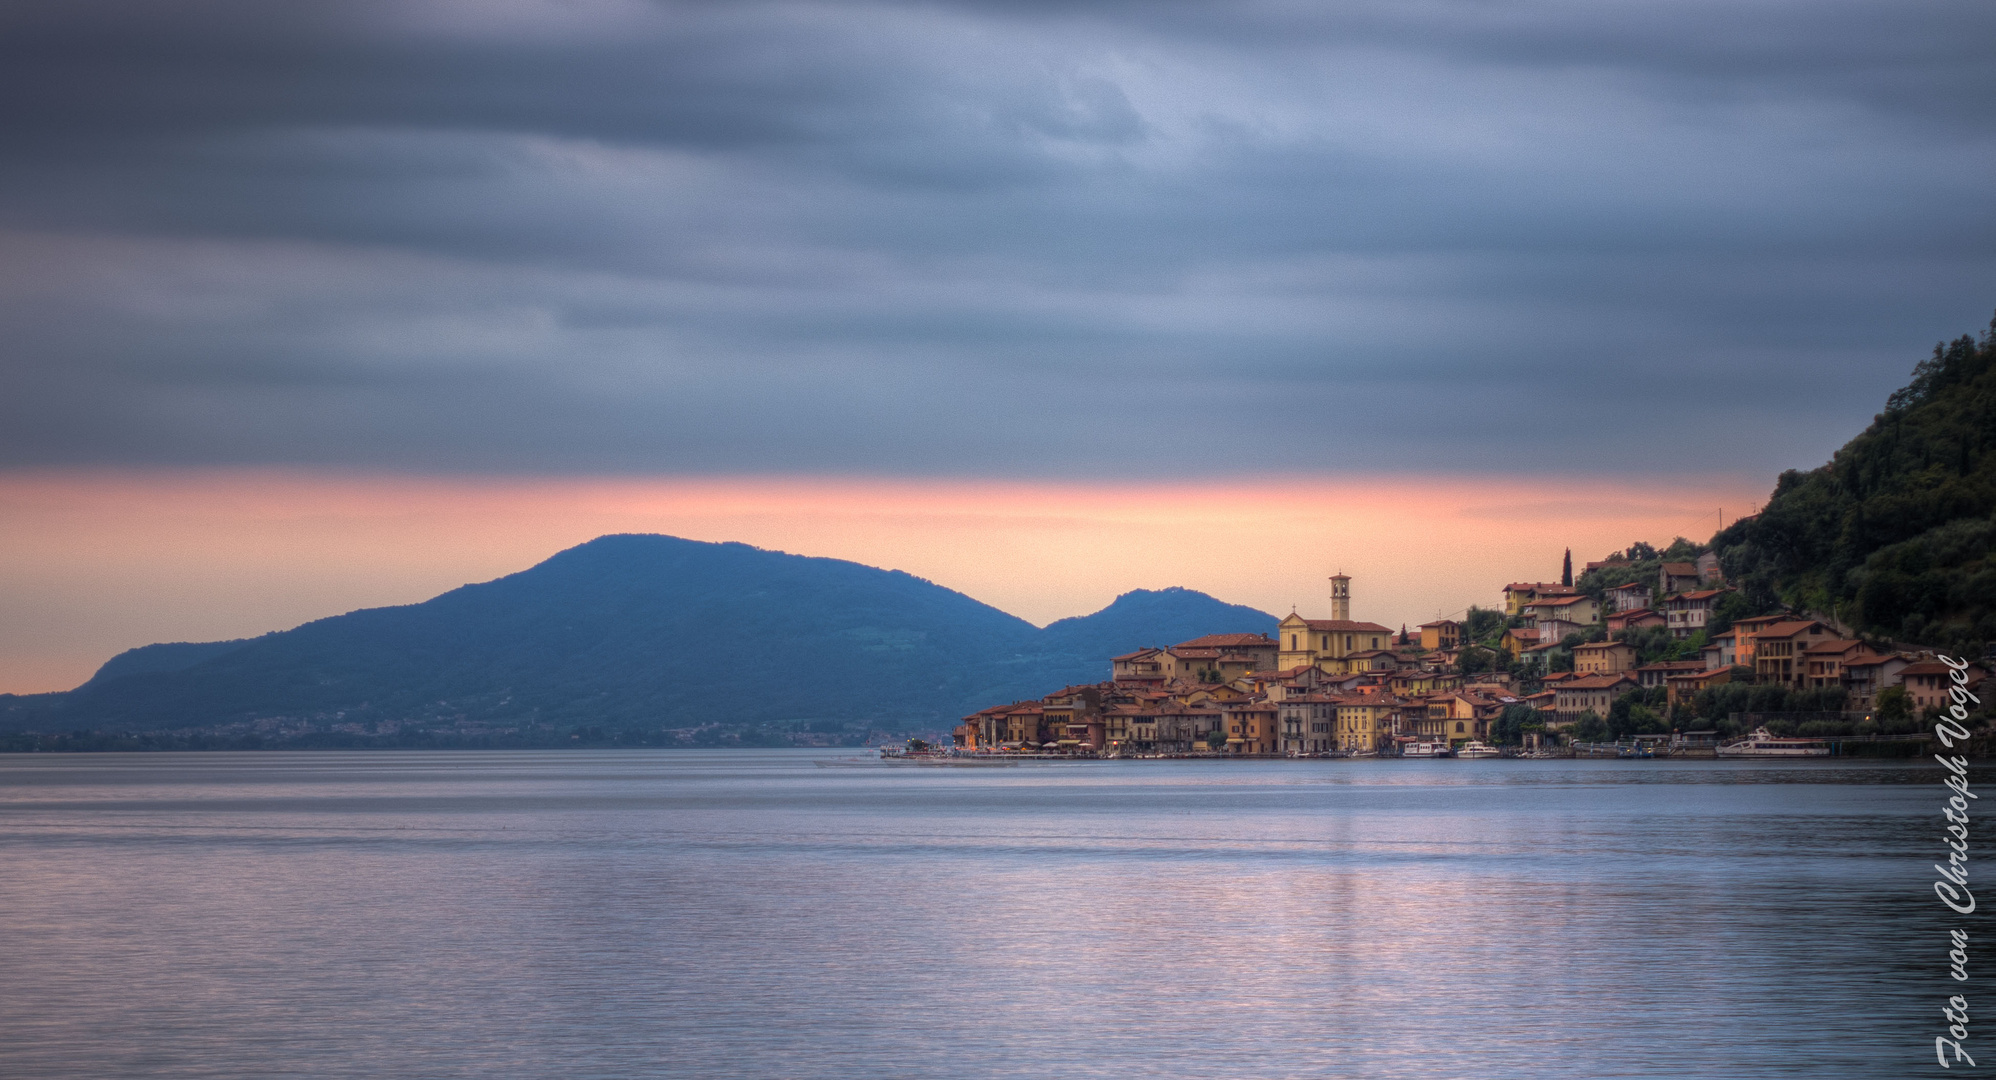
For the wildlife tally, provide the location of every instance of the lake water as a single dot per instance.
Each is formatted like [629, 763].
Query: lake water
[746, 914]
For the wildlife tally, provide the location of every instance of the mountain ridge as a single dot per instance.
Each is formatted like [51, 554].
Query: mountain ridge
[637, 630]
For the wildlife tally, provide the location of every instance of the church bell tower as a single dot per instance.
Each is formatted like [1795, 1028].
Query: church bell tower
[1341, 597]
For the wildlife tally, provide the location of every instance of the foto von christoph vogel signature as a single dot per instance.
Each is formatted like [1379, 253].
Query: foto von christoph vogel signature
[1952, 886]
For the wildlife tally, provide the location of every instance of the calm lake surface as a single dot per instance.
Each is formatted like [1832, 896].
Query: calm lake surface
[746, 914]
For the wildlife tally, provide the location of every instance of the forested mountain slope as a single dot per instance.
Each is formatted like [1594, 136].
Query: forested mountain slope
[1894, 535]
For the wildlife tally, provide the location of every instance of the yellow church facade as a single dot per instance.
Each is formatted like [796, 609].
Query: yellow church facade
[1327, 643]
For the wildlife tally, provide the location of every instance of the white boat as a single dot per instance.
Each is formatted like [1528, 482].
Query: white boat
[1427, 750]
[1762, 744]
[1477, 748]
[893, 761]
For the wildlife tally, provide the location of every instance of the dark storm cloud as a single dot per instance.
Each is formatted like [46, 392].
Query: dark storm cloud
[1110, 239]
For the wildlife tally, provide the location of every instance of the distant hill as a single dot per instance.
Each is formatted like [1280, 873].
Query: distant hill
[1141, 618]
[1896, 535]
[172, 656]
[647, 632]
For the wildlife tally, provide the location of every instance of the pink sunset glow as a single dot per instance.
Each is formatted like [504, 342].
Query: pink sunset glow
[104, 561]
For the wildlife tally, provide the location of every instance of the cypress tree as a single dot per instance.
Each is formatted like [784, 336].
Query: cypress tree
[1566, 568]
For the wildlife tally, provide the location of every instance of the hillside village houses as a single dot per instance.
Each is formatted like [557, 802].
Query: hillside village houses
[1346, 686]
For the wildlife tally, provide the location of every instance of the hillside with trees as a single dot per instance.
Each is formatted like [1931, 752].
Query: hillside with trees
[1894, 536]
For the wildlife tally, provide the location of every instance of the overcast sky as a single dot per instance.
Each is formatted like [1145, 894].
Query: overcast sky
[1082, 240]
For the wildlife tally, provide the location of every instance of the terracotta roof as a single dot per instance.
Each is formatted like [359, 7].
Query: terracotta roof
[1596, 682]
[1631, 585]
[1868, 659]
[1681, 569]
[1701, 594]
[1674, 665]
[1440, 622]
[1347, 626]
[1932, 667]
[1833, 645]
[1787, 629]
[1560, 601]
[1603, 645]
[1138, 653]
[1228, 641]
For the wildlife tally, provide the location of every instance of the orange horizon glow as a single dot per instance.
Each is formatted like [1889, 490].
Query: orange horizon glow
[100, 561]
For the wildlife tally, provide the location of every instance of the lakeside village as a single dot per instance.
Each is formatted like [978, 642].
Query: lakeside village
[1653, 653]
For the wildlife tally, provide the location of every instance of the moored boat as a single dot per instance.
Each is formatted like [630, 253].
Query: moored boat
[1427, 750]
[1477, 748]
[1763, 744]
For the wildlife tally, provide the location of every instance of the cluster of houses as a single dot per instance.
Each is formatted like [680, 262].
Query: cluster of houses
[1341, 686]
[1782, 650]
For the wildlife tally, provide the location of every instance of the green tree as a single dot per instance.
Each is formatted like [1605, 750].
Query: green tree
[1896, 535]
[1483, 625]
[1509, 727]
[1682, 550]
[1728, 610]
[1590, 727]
[1893, 711]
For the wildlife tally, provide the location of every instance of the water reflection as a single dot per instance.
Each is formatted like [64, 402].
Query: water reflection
[747, 914]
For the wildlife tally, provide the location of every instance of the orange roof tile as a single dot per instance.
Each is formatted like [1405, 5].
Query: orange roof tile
[1787, 629]
[1228, 641]
[1596, 682]
[1932, 667]
[1347, 626]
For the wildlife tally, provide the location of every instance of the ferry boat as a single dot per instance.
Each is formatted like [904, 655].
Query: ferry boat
[1427, 750]
[916, 750]
[1762, 744]
[1477, 748]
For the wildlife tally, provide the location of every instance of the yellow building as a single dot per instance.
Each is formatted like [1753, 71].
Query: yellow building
[1458, 717]
[1519, 638]
[1213, 658]
[1366, 723]
[1326, 643]
[1251, 727]
[1441, 634]
[1568, 607]
[1604, 657]
[1520, 594]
